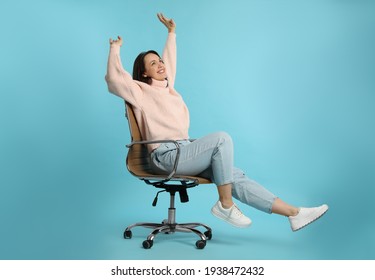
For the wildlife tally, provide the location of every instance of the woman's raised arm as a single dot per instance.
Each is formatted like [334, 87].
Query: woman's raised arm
[170, 51]
[119, 81]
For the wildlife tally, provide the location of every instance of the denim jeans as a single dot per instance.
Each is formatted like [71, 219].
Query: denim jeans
[211, 157]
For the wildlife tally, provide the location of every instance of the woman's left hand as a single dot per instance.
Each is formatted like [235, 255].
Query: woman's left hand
[169, 23]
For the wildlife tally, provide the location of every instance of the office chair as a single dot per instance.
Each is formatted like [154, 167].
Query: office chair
[138, 164]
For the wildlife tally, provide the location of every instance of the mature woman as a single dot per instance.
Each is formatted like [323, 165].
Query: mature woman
[162, 114]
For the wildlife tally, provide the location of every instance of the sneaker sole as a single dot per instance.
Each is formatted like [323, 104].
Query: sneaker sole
[316, 218]
[221, 217]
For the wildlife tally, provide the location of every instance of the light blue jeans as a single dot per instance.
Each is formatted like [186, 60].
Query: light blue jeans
[211, 157]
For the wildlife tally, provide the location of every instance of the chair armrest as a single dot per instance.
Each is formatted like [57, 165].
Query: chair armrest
[175, 165]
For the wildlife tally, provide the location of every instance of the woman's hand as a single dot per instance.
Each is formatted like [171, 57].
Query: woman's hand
[116, 42]
[169, 23]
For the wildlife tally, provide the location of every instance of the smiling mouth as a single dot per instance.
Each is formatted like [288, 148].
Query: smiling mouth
[162, 71]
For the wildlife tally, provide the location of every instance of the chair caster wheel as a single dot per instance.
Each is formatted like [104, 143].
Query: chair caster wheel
[200, 244]
[208, 234]
[147, 244]
[127, 234]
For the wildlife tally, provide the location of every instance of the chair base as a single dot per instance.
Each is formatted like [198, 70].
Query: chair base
[169, 226]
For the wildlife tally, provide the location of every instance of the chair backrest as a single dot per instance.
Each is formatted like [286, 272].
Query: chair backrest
[138, 160]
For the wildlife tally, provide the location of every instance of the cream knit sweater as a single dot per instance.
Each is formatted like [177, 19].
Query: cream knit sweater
[159, 109]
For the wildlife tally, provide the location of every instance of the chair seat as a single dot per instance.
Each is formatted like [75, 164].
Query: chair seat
[181, 178]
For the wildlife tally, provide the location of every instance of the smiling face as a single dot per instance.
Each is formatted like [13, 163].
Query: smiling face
[155, 67]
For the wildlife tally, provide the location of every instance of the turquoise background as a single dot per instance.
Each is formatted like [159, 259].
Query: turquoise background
[292, 81]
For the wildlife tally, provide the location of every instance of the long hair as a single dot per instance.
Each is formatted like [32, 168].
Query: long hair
[139, 67]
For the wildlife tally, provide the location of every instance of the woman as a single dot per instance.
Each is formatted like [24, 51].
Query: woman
[162, 114]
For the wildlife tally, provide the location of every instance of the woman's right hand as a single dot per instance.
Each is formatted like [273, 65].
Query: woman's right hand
[117, 42]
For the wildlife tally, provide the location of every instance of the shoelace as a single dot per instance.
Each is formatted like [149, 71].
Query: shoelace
[237, 210]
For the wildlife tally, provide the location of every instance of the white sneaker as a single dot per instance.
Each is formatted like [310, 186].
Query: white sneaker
[306, 216]
[232, 215]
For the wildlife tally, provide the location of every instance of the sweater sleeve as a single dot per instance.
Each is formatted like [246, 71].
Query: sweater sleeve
[170, 58]
[119, 81]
